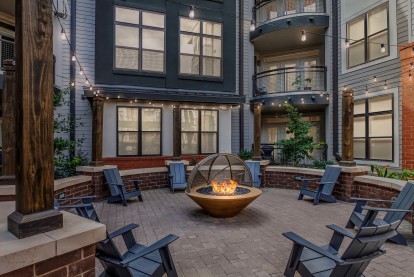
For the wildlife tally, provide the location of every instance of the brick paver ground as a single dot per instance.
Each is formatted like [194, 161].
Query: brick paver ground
[250, 244]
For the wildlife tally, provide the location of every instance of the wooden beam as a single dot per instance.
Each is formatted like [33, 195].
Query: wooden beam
[35, 211]
[347, 129]
[97, 131]
[257, 132]
[9, 119]
[176, 133]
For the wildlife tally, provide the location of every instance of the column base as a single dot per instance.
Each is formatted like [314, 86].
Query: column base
[257, 158]
[176, 158]
[347, 163]
[23, 226]
[96, 163]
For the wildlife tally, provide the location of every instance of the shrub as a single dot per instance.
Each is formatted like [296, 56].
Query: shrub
[322, 164]
[246, 154]
[382, 171]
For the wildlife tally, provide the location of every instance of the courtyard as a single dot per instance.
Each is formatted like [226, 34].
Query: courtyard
[250, 244]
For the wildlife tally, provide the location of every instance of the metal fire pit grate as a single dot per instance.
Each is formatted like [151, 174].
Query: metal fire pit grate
[209, 191]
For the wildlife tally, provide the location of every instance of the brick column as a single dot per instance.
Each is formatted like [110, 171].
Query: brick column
[407, 95]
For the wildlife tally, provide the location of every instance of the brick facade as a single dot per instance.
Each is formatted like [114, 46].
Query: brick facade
[125, 163]
[407, 95]
[80, 262]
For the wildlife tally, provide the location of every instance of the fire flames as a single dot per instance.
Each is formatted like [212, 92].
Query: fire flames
[224, 188]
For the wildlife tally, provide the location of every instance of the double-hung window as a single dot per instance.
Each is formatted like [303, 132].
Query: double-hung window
[139, 40]
[200, 47]
[374, 128]
[368, 36]
[139, 131]
[199, 130]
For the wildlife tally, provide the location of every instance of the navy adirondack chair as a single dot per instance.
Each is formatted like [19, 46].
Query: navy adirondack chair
[309, 259]
[177, 176]
[138, 260]
[326, 185]
[399, 208]
[83, 206]
[254, 167]
[117, 187]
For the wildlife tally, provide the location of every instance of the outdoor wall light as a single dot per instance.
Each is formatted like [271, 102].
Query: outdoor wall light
[191, 14]
[303, 37]
[252, 26]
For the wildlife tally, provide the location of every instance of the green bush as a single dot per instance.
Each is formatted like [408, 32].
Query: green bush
[382, 171]
[322, 164]
[246, 154]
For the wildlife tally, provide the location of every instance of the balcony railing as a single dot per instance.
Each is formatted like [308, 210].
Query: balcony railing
[290, 79]
[6, 50]
[273, 153]
[266, 10]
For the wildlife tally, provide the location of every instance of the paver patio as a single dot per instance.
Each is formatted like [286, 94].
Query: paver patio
[250, 244]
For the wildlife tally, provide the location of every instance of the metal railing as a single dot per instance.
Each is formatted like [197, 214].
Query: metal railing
[289, 79]
[266, 10]
[6, 50]
[275, 154]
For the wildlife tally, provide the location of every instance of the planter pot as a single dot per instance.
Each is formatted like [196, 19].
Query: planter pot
[307, 88]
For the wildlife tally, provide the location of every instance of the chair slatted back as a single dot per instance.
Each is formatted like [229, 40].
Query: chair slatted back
[367, 242]
[404, 201]
[254, 168]
[112, 176]
[178, 173]
[331, 174]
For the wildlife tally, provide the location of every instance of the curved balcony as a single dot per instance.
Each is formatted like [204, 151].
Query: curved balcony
[267, 10]
[290, 79]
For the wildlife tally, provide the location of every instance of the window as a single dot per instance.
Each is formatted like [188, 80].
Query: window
[366, 35]
[139, 40]
[139, 131]
[373, 128]
[200, 47]
[199, 131]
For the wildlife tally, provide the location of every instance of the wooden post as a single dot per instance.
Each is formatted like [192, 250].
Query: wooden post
[257, 110]
[176, 133]
[347, 129]
[97, 131]
[9, 119]
[35, 211]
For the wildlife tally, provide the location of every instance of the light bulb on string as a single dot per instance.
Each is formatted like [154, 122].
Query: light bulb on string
[382, 48]
[410, 76]
[72, 84]
[107, 98]
[119, 96]
[81, 71]
[303, 37]
[347, 43]
[412, 65]
[90, 88]
[191, 13]
[73, 57]
[62, 34]
[97, 92]
[375, 78]
[366, 89]
[385, 84]
[252, 26]
[87, 82]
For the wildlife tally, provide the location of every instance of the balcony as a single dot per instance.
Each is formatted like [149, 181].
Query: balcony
[290, 79]
[268, 10]
[6, 50]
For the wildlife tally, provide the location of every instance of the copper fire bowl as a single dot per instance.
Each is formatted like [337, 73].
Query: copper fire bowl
[224, 206]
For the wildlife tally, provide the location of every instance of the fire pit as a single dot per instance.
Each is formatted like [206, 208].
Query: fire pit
[221, 184]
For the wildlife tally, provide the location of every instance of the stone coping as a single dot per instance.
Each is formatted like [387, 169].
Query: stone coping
[8, 190]
[142, 171]
[71, 181]
[296, 170]
[168, 162]
[262, 162]
[381, 181]
[93, 169]
[354, 169]
[77, 232]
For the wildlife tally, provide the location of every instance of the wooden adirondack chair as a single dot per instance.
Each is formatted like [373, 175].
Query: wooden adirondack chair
[117, 187]
[399, 208]
[309, 259]
[254, 167]
[325, 186]
[138, 260]
[84, 208]
[177, 176]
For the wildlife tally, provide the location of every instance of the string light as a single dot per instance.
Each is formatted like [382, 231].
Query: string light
[382, 48]
[87, 82]
[375, 78]
[321, 94]
[62, 34]
[107, 98]
[303, 37]
[136, 100]
[191, 14]
[72, 84]
[346, 43]
[345, 87]
[81, 72]
[252, 26]
[366, 89]
[73, 57]
[385, 84]
[119, 96]
[90, 88]
[410, 76]
[412, 65]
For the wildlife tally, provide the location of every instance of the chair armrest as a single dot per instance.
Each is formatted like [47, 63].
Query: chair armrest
[153, 247]
[372, 200]
[299, 178]
[301, 241]
[123, 230]
[77, 198]
[341, 231]
[374, 209]
[74, 206]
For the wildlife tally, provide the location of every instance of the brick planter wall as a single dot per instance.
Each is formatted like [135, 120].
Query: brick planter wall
[124, 163]
[81, 189]
[80, 262]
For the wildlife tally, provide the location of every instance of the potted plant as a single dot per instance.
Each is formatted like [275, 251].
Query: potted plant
[308, 81]
[298, 82]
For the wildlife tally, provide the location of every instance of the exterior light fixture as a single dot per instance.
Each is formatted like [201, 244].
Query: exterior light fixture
[382, 48]
[87, 82]
[346, 43]
[81, 72]
[280, 105]
[72, 84]
[375, 78]
[90, 88]
[62, 34]
[252, 26]
[273, 104]
[107, 98]
[303, 37]
[385, 84]
[73, 57]
[119, 96]
[191, 14]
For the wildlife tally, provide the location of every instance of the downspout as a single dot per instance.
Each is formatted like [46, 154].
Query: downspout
[241, 79]
[72, 94]
[335, 68]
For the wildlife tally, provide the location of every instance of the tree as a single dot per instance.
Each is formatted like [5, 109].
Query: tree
[299, 146]
[68, 153]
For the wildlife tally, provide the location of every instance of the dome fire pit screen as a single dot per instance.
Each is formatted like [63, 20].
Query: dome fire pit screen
[221, 184]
